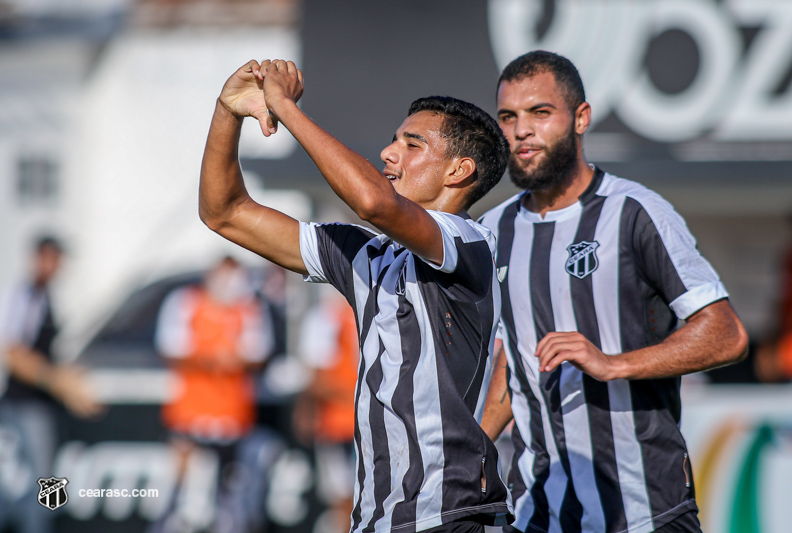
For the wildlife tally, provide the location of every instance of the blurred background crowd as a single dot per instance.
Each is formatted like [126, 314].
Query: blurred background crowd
[142, 351]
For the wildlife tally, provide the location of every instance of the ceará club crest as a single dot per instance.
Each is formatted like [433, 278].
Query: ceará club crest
[582, 259]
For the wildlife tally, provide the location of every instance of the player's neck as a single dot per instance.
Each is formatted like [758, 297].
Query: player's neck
[562, 195]
[447, 202]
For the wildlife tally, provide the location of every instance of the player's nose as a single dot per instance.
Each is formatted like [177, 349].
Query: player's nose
[523, 128]
[389, 154]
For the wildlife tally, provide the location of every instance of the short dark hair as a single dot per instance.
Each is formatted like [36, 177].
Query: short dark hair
[536, 62]
[51, 242]
[470, 132]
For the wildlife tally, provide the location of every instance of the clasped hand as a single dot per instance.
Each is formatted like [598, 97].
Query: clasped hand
[257, 89]
[557, 347]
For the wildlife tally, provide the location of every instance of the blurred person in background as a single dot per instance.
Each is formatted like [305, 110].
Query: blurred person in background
[215, 337]
[774, 356]
[597, 275]
[324, 413]
[35, 382]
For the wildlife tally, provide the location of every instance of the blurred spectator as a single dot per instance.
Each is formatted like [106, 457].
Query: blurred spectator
[324, 415]
[774, 357]
[27, 410]
[214, 336]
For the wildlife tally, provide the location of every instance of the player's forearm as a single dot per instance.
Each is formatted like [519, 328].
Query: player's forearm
[351, 176]
[711, 338]
[497, 408]
[221, 185]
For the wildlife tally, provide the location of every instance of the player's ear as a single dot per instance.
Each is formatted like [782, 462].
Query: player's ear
[582, 118]
[461, 169]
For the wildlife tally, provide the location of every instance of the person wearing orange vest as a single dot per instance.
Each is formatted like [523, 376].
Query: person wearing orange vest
[213, 336]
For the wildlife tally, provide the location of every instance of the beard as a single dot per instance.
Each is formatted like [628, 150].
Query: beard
[557, 166]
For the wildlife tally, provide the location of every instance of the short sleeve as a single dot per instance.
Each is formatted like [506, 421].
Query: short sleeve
[667, 256]
[328, 251]
[458, 232]
[309, 249]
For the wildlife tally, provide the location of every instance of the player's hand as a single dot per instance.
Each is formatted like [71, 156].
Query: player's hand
[243, 96]
[283, 81]
[557, 347]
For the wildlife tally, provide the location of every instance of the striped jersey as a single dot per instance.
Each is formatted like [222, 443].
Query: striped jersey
[425, 332]
[620, 267]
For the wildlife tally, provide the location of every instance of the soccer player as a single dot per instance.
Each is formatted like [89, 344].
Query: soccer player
[424, 291]
[597, 273]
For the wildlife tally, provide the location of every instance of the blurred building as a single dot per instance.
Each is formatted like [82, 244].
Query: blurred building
[105, 108]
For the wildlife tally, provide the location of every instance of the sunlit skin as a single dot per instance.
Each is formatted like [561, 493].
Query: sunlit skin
[534, 116]
[416, 162]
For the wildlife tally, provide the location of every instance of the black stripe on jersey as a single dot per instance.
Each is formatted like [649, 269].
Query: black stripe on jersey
[656, 264]
[517, 485]
[370, 310]
[541, 467]
[405, 511]
[382, 470]
[544, 323]
[659, 320]
[540, 279]
[591, 190]
[655, 402]
[596, 392]
[331, 236]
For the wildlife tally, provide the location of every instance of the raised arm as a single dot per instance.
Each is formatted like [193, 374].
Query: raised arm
[224, 204]
[710, 338]
[352, 177]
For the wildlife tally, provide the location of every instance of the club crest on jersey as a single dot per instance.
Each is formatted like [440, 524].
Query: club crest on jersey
[582, 258]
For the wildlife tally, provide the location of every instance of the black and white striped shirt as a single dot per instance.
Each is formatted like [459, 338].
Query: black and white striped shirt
[620, 267]
[426, 332]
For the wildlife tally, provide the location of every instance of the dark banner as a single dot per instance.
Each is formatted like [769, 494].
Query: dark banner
[679, 90]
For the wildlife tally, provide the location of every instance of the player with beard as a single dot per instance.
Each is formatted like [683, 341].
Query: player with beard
[597, 273]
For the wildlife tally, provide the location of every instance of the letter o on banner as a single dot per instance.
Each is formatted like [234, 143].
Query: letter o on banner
[686, 115]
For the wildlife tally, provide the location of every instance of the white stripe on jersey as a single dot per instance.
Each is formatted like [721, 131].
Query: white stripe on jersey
[365, 455]
[427, 419]
[573, 403]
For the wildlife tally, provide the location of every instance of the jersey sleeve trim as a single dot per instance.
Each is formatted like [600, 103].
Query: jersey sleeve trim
[698, 298]
[309, 249]
[454, 227]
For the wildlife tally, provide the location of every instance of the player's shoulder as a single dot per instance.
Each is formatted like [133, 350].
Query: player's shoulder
[460, 225]
[491, 218]
[345, 232]
[621, 188]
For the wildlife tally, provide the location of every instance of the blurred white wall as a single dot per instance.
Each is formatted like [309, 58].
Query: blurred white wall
[133, 159]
